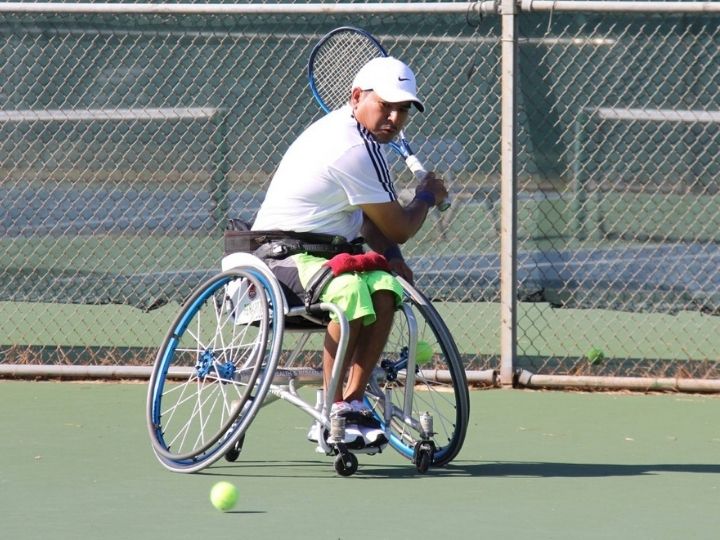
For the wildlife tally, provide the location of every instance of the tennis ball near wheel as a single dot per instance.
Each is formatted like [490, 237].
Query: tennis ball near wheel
[423, 352]
[595, 355]
[223, 496]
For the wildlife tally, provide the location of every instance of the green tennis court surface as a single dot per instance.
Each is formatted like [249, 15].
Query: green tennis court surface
[77, 463]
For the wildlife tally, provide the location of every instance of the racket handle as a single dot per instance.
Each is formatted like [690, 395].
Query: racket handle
[418, 169]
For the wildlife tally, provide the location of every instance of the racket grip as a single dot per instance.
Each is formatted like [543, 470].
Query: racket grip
[418, 169]
[416, 166]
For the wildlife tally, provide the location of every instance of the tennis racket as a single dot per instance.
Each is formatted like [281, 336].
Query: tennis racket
[334, 62]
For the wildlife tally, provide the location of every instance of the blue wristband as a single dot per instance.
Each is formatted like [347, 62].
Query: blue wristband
[393, 252]
[426, 197]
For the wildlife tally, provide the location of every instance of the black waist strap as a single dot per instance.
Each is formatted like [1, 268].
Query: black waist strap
[279, 249]
[281, 244]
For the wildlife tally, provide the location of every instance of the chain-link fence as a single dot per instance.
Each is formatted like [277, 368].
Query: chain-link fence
[126, 140]
[621, 176]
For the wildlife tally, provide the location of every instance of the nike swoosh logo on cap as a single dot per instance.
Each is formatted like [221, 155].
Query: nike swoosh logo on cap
[402, 79]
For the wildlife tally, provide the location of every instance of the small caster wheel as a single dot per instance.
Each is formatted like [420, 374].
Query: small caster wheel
[424, 455]
[423, 461]
[234, 452]
[346, 464]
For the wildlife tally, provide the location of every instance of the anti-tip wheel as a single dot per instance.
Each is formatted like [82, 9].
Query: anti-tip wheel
[424, 455]
[234, 452]
[346, 464]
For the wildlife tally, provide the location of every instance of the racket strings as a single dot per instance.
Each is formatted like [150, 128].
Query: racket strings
[337, 61]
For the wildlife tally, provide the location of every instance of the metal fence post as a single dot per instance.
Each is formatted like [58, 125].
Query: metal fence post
[508, 194]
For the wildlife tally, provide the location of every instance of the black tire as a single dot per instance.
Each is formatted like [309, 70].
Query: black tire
[234, 453]
[346, 465]
[440, 387]
[423, 458]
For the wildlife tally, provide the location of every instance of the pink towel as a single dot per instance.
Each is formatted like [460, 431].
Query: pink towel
[343, 263]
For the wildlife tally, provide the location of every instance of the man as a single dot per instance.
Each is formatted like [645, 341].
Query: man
[334, 179]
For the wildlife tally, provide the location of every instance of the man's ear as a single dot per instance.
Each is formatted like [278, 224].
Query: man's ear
[355, 96]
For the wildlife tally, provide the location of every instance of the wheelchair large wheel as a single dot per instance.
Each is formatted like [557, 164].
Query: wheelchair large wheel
[214, 368]
[440, 386]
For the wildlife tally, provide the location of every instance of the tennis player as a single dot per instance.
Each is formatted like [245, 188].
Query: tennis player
[334, 179]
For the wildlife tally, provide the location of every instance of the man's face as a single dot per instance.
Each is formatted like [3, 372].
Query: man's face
[384, 120]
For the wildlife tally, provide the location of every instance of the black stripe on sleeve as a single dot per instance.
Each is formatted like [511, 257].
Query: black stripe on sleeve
[378, 160]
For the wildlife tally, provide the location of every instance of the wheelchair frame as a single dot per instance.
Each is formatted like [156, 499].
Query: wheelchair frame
[219, 364]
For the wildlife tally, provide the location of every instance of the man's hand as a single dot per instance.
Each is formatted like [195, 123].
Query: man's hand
[433, 185]
[401, 268]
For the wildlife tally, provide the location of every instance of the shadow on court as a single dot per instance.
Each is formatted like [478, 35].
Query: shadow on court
[506, 469]
[579, 470]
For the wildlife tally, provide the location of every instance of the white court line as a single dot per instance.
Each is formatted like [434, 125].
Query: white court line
[576, 263]
[163, 113]
[630, 259]
[138, 222]
[657, 115]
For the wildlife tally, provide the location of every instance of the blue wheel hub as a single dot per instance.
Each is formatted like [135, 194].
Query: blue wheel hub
[205, 362]
[227, 370]
[393, 367]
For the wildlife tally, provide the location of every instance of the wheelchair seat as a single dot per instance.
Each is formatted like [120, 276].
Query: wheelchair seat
[314, 319]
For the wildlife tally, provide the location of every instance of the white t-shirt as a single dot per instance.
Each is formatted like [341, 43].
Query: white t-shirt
[334, 166]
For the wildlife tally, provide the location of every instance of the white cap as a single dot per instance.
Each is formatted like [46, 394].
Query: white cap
[390, 79]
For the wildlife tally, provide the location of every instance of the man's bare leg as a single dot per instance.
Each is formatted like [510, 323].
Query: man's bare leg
[369, 345]
[332, 337]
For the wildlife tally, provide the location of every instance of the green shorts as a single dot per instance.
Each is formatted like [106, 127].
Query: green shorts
[352, 291]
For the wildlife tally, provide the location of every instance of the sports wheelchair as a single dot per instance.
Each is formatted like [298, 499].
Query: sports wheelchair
[236, 345]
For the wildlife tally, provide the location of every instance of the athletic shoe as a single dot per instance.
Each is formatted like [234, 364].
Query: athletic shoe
[353, 436]
[360, 406]
[337, 409]
[356, 437]
[314, 433]
[374, 437]
[363, 415]
[340, 408]
[369, 425]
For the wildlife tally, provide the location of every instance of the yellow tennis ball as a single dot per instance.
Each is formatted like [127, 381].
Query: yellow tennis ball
[423, 352]
[223, 496]
[595, 355]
